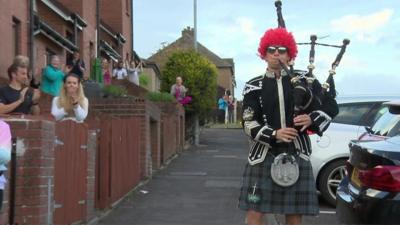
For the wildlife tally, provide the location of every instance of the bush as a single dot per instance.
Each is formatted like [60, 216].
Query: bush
[199, 76]
[115, 91]
[155, 96]
[144, 80]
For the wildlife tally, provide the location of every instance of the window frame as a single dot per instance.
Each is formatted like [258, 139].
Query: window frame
[16, 31]
[362, 120]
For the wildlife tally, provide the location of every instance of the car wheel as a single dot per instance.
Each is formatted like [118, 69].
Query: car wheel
[330, 179]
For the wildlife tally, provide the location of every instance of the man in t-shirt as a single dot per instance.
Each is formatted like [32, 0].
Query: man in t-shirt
[76, 65]
[16, 97]
[120, 72]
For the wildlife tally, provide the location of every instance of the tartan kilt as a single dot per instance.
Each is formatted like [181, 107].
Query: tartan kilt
[268, 197]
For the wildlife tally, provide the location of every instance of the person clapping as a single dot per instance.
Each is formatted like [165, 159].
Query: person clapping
[72, 102]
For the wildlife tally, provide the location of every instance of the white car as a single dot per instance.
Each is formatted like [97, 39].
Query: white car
[331, 151]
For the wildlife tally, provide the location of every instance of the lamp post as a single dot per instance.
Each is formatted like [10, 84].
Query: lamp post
[195, 23]
[196, 116]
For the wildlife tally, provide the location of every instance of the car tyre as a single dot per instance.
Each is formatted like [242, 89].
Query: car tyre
[330, 178]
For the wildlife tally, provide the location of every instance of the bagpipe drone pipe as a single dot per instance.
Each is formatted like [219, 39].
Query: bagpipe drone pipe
[308, 93]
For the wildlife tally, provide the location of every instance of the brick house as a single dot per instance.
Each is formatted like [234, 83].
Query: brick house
[153, 72]
[226, 67]
[62, 26]
[15, 29]
[118, 15]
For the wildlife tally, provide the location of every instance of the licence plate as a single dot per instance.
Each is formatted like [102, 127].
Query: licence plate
[354, 178]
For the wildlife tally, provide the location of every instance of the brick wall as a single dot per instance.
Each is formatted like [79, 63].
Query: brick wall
[36, 157]
[35, 167]
[146, 111]
[172, 129]
[35, 170]
[155, 140]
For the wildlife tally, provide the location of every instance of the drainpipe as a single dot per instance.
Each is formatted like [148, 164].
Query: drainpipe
[31, 38]
[98, 28]
[132, 26]
[13, 177]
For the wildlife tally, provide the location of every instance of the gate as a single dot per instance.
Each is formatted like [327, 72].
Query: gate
[70, 173]
[118, 159]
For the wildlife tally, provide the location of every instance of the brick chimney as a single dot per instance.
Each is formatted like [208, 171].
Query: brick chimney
[188, 31]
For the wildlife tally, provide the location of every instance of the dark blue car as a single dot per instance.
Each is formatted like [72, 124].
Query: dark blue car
[370, 191]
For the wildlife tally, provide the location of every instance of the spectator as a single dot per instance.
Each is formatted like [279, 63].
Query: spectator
[72, 101]
[120, 72]
[179, 91]
[16, 97]
[231, 108]
[222, 107]
[5, 155]
[76, 65]
[52, 77]
[133, 71]
[106, 72]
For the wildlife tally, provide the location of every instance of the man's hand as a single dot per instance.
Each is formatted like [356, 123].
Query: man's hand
[303, 120]
[36, 95]
[68, 69]
[22, 95]
[286, 134]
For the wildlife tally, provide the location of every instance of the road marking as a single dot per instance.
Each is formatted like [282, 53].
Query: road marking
[211, 151]
[226, 156]
[222, 184]
[327, 212]
[188, 173]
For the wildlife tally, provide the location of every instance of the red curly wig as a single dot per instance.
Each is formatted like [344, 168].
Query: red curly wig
[278, 37]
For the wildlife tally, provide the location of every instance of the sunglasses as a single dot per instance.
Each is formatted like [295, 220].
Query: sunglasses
[272, 49]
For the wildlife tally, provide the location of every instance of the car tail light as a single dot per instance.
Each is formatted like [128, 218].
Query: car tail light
[309, 132]
[384, 178]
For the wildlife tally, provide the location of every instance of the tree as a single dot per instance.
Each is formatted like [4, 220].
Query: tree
[199, 76]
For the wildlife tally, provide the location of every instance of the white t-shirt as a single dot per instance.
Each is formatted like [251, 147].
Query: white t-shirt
[133, 76]
[120, 73]
[79, 111]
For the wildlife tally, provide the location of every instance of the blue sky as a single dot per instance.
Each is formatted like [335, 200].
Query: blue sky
[232, 29]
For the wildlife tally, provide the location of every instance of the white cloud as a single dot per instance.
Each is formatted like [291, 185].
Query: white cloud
[237, 38]
[362, 24]
[364, 27]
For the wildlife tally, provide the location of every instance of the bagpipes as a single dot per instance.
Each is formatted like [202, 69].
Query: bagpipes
[308, 93]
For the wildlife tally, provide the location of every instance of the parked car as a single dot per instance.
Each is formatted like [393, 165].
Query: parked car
[370, 191]
[330, 152]
[388, 124]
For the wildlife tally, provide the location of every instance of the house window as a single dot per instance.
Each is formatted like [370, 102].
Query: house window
[69, 36]
[49, 54]
[16, 32]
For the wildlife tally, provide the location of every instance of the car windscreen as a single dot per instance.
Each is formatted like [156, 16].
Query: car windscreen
[387, 125]
[352, 113]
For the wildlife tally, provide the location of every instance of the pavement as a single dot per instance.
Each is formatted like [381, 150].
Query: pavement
[199, 187]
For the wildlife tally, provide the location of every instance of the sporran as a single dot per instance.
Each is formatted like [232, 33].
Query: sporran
[285, 170]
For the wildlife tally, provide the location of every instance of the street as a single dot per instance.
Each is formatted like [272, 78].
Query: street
[199, 187]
